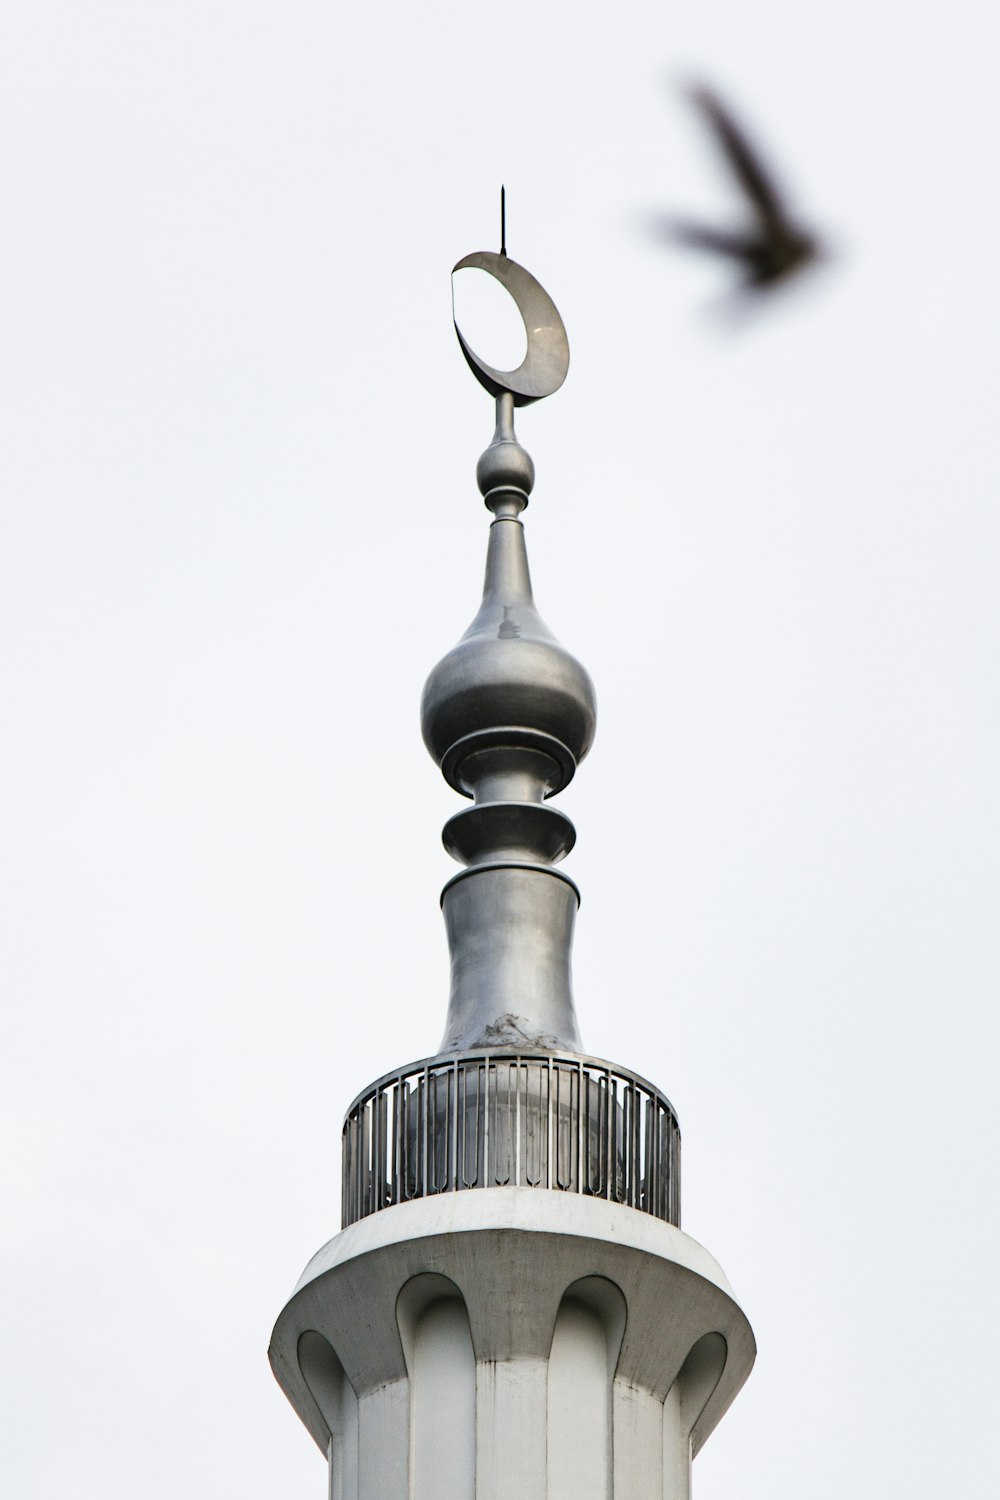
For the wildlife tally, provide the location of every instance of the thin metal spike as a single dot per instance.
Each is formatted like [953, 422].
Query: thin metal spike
[503, 220]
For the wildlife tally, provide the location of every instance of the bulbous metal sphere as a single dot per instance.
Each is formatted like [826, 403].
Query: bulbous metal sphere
[508, 680]
[488, 682]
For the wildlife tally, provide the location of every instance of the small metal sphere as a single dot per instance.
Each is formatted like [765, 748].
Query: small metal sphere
[505, 465]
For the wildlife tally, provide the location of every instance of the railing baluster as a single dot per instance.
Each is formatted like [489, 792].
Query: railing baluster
[516, 1153]
[610, 1105]
[421, 1182]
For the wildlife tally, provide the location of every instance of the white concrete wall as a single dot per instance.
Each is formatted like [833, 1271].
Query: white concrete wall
[437, 1343]
[579, 1402]
[586, 1344]
[511, 1428]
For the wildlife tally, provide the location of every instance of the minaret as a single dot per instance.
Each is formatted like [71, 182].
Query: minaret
[511, 1311]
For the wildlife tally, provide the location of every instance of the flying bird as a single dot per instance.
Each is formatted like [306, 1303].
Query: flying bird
[774, 246]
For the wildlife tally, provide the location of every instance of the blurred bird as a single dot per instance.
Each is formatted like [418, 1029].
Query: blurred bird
[775, 246]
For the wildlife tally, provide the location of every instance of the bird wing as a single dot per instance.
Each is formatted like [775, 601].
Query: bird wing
[724, 241]
[745, 162]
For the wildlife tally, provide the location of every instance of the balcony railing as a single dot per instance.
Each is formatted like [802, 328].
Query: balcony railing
[522, 1119]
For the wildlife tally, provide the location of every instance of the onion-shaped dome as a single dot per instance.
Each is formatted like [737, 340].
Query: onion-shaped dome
[508, 673]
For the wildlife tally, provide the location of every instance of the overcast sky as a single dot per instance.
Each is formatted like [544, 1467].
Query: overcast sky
[241, 525]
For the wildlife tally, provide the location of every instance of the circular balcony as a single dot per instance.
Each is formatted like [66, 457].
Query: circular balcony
[502, 1118]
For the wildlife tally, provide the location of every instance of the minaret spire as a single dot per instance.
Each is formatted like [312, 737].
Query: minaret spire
[507, 715]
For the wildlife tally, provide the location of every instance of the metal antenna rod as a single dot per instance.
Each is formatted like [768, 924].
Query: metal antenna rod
[503, 220]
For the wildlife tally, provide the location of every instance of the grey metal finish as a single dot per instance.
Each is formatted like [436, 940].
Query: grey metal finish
[544, 367]
[507, 714]
[508, 669]
[505, 472]
[511, 1118]
[510, 932]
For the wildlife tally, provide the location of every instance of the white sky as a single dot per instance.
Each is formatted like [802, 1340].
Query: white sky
[242, 525]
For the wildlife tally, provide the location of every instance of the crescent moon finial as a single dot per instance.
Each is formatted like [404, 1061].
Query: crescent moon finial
[546, 362]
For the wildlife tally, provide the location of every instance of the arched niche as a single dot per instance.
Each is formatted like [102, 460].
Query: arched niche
[586, 1342]
[338, 1406]
[700, 1374]
[437, 1346]
[686, 1400]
